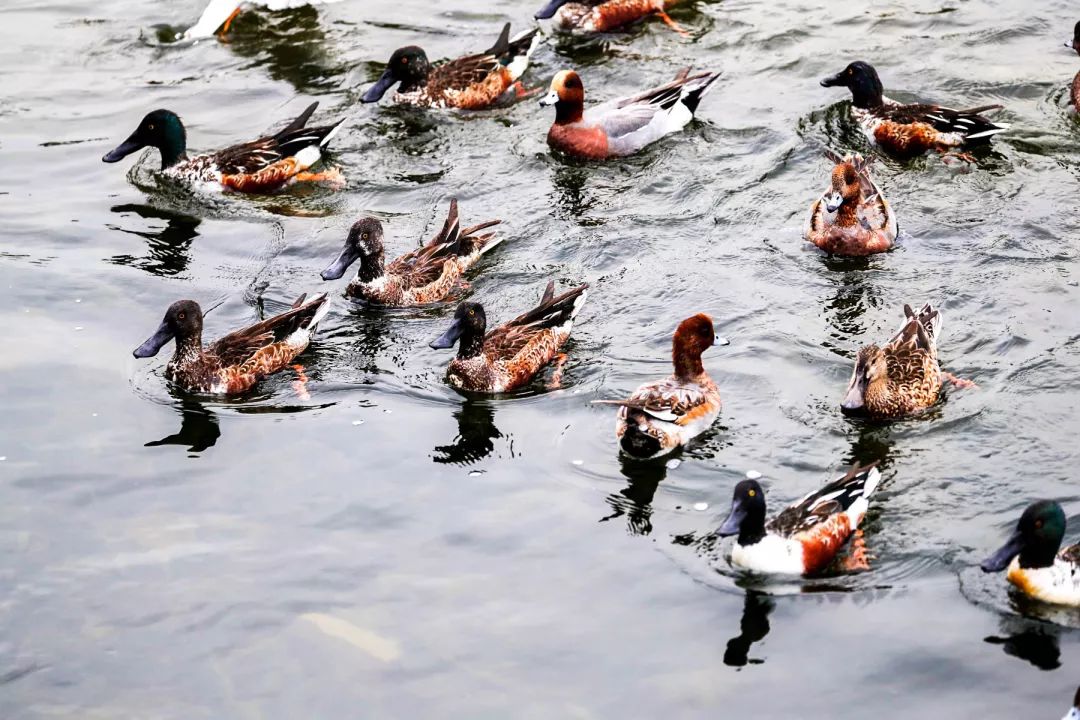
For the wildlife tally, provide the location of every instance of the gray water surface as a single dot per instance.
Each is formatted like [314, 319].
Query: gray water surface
[386, 548]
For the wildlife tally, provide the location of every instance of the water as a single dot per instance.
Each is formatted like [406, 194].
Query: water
[387, 548]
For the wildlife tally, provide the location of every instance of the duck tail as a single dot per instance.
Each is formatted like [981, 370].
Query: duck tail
[635, 441]
[695, 88]
[298, 123]
[923, 327]
[307, 320]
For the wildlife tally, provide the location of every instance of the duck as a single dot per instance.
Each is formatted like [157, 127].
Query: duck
[512, 354]
[1074, 93]
[474, 82]
[264, 165]
[1074, 711]
[664, 415]
[600, 16]
[219, 15]
[426, 275]
[805, 537]
[1037, 564]
[851, 217]
[907, 131]
[902, 377]
[234, 363]
[623, 126]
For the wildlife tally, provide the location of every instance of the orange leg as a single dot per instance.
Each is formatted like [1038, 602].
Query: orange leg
[858, 558]
[228, 22]
[556, 375]
[300, 384]
[947, 156]
[520, 93]
[672, 24]
[331, 176]
[959, 382]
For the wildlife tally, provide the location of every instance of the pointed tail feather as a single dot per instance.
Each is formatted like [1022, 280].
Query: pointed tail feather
[502, 45]
[693, 91]
[298, 123]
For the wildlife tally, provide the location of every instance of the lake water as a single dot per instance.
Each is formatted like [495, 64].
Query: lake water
[385, 548]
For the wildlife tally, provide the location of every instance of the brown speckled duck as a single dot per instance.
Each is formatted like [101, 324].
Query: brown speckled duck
[901, 377]
[599, 16]
[473, 82]
[511, 355]
[851, 217]
[242, 358]
[426, 275]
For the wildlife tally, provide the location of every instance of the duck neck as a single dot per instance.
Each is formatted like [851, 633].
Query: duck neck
[687, 364]
[188, 349]
[569, 111]
[470, 345]
[847, 215]
[173, 146]
[1039, 555]
[371, 268]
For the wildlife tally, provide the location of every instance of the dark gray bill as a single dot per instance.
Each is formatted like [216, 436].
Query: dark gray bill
[548, 10]
[376, 91]
[834, 80]
[1001, 559]
[122, 150]
[734, 521]
[448, 338]
[155, 342]
[337, 268]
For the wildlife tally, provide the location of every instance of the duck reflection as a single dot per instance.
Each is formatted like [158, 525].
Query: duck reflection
[475, 437]
[635, 500]
[198, 427]
[1036, 642]
[572, 198]
[753, 627]
[853, 293]
[291, 44]
[167, 248]
[872, 444]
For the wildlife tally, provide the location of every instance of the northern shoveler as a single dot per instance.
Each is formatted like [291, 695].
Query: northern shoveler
[473, 82]
[623, 126]
[666, 414]
[1074, 711]
[598, 16]
[512, 354]
[264, 165]
[1036, 562]
[219, 14]
[242, 358]
[805, 537]
[425, 275]
[910, 130]
[1074, 94]
[851, 217]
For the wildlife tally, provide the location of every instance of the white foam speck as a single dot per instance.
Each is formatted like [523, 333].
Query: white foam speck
[753, 475]
[475, 473]
[579, 463]
[357, 422]
[673, 463]
[93, 414]
[78, 300]
[3, 458]
[78, 328]
[701, 506]
[387, 411]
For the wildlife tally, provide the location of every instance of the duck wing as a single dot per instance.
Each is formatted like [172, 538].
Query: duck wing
[820, 505]
[1071, 554]
[669, 400]
[969, 123]
[239, 345]
[920, 330]
[250, 157]
[507, 340]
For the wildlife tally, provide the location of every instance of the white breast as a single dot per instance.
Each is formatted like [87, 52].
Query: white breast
[772, 554]
[1058, 584]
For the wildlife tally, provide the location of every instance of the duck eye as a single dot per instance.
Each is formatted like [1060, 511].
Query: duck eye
[405, 61]
[365, 236]
[150, 126]
[1038, 524]
[182, 316]
[751, 493]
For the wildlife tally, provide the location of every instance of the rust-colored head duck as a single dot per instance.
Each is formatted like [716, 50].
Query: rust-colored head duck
[599, 16]
[693, 337]
[567, 94]
[851, 217]
[845, 193]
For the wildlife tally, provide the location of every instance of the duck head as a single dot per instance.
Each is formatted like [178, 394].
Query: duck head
[747, 516]
[183, 322]
[467, 329]
[862, 79]
[693, 337]
[870, 373]
[364, 243]
[1074, 712]
[408, 65]
[567, 94]
[845, 187]
[1075, 44]
[1036, 540]
[161, 129]
[550, 9]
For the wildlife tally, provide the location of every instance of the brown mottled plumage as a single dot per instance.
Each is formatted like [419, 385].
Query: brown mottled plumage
[597, 16]
[863, 223]
[903, 376]
[1075, 90]
[512, 354]
[234, 363]
[425, 275]
[473, 82]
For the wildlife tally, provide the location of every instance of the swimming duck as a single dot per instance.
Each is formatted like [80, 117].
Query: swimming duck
[598, 16]
[805, 537]
[264, 165]
[663, 415]
[1033, 559]
[1074, 711]
[901, 377]
[221, 13]
[509, 356]
[234, 363]
[623, 126]
[1074, 94]
[910, 130]
[425, 275]
[473, 82]
[863, 222]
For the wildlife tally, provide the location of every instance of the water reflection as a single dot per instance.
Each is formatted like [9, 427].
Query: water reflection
[1036, 642]
[854, 291]
[290, 44]
[872, 444]
[198, 427]
[635, 500]
[167, 248]
[475, 437]
[753, 627]
[572, 199]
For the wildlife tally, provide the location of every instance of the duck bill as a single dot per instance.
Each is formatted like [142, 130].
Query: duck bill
[1001, 559]
[550, 99]
[155, 342]
[122, 150]
[721, 341]
[548, 10]
[854, 401]
[734, 521]
[337, 268]
[833, 201]
[448, 338]
[376, 91]
[836, 80]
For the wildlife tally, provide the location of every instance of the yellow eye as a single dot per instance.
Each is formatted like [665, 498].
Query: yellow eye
[752, 493]
[365, 236]
[472, 312]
